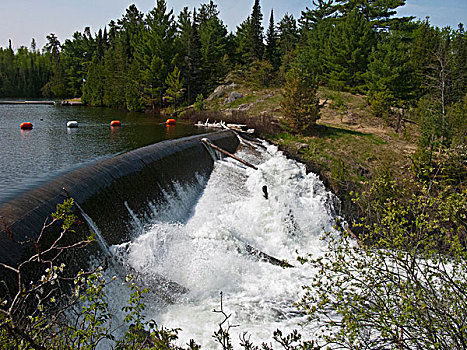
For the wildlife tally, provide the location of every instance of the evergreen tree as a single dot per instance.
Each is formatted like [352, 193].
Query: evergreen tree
[459, 64]
[390, 77]
[380, 13]
[93, 93]
[323, 9]
[213, 39]
[317, 26]
[288, 35]
[190, 50]
[174, 87]
[255, 33]
[131, 24]
[155, 52]
[300, 104]
[57, 86]
[242, 49]
[272, 53]
[347, 53]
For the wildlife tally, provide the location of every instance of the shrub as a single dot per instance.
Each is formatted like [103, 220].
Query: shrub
[300, 105]
[403, 286]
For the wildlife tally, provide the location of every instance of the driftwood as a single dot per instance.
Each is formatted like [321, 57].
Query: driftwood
[266, 257]
[205, 141]
[353, 235]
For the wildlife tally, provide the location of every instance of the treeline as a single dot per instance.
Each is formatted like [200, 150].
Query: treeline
[24, 73]
[146, 61]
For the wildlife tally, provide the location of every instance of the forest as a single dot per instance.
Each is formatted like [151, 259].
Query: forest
[403, 284]
[143, 61]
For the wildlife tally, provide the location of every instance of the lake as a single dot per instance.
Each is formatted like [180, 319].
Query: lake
[31, 157]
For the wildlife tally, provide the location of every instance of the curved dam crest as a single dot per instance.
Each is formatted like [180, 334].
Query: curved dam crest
[106, 189]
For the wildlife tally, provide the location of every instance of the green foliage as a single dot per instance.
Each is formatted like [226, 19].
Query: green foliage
[396, 289]
[347, 53]
[213, 40]
[288, 35]
[199, 103]
[391, 80]
[255, 34]
[381, 103]
[261, 74]
[435, 131]
[300, 104]
[271, 52]
[458, 122]
[174, 87]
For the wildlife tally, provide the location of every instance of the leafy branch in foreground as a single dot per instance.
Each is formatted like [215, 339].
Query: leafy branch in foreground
[59, 312]
[405, 288]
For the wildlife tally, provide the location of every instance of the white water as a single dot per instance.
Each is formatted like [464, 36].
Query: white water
[204, 249]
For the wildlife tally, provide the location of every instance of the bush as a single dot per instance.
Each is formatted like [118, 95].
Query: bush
[199, 103]
[300, 105]
[261, 74]
[56, 312]
[404, 286]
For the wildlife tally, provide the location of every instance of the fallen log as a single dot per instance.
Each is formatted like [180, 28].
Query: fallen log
[266, 257]
[228, 154]
[353, 235]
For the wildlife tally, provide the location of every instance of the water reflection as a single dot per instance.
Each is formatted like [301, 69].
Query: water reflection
[52, 148]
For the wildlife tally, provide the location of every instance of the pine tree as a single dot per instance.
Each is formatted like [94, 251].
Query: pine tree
[213, 40]
[378, 12]
[255, 34]
[190, 51]
[242, 48]
[288, 34]
[57, 86]
[459, 64]
[323, 9]
[174, 87]
[272, 53]
[155, 52]
[347, 53]
[390, 68]
[300, 104]
[390, 76]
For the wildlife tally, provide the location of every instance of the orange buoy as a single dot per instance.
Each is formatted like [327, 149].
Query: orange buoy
[115, 123]
[170, 122]
[26, 126]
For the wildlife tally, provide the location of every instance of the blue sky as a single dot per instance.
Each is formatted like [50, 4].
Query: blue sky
[22, 20]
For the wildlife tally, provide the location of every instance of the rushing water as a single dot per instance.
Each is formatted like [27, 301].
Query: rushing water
[206, 248]
[30, 157]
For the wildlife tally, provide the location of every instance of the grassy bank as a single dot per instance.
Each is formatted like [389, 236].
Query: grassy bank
[348, 148]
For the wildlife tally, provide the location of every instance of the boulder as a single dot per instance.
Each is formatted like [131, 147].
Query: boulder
[221, 90]
[233, 96]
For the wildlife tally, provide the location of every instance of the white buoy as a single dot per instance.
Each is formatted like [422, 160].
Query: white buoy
[72, 124]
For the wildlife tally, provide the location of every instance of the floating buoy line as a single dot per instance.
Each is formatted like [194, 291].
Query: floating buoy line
[26, 126]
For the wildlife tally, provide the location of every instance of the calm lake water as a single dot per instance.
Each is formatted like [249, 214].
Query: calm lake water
[31, 157]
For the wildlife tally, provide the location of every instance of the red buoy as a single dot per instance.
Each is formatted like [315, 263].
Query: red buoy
[26, 126]
[115, 123]
[170, 122]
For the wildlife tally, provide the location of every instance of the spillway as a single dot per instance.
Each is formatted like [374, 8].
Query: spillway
[207, 247]
[191, 225]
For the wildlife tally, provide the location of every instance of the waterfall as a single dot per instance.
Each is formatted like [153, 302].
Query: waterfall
[234, 240]
[100, 240]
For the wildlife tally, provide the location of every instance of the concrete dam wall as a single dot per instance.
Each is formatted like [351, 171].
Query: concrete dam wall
[106, 189]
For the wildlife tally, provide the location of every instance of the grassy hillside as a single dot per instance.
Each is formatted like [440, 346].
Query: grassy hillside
[348, 148]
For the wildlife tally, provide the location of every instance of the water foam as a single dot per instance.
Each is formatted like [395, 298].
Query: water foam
[205, 251]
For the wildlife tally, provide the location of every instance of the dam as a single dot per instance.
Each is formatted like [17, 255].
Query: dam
[176, 211]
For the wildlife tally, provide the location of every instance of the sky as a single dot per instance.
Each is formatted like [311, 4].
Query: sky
[22, 20]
